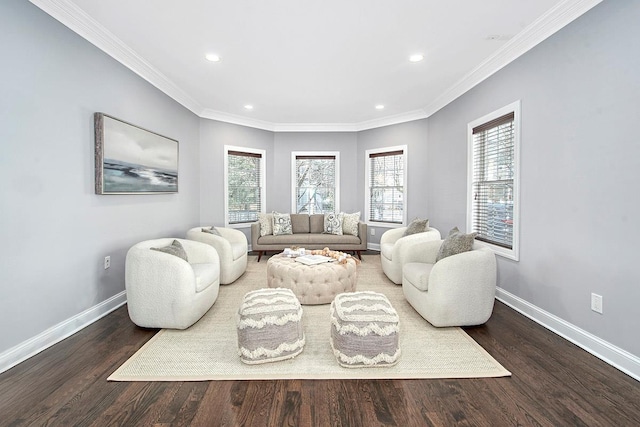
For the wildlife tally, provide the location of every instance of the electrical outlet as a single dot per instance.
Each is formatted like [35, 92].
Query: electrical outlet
[596, 303]
[107, 262]
[373, 231]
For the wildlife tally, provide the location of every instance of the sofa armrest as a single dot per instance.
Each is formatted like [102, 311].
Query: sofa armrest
[255, 234]
[362, 234]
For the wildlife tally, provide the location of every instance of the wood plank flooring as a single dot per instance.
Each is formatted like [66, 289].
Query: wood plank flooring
[554, 383]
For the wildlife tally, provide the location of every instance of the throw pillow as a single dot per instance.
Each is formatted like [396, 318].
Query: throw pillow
[417, 226]
[211, 230]
[333, 223]
[174, 248]
[281, 224]
[456, 243]
[266, 224]
[350, 223]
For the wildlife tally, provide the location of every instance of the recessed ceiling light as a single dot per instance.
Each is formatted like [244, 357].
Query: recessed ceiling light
[212, 57]
[416, 58]
[379, 107]
[248, 107]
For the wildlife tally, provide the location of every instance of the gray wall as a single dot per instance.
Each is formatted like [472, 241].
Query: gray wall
[414, 135]
[580, 170]
[285, 143]
[214, 136]
[55, 230]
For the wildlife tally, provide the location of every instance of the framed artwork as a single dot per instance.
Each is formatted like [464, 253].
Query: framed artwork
[132, 160]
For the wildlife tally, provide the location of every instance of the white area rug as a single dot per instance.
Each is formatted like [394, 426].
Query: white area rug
[208, 349]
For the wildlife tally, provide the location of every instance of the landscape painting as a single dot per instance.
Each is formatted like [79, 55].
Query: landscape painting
[132, 160]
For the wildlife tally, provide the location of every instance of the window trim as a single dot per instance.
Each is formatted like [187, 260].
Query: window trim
[263, 182]
[367, 185]
[294, 155]
[514, 252]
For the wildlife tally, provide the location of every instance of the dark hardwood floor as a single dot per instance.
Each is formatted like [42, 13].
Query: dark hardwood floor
[554, 383]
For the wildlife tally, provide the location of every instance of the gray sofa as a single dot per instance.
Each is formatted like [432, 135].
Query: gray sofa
[308, 233]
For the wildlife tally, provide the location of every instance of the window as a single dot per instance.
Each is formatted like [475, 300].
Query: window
[493, 189]
[316, 182]
[386, 174]
[244, 184]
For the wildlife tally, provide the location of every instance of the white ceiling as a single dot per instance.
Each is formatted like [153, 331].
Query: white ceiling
[315, 65]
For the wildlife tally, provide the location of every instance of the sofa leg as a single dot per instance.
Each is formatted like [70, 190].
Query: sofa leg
[359, 255]
[260, 255]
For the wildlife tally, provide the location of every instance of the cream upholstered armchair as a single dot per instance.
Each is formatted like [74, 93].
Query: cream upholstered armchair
[458, 290]
[164, 290]
[394, 247]
[231, 246]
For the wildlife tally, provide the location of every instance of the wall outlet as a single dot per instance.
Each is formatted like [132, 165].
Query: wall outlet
[373, 231]
[107, 262]
[596, 303]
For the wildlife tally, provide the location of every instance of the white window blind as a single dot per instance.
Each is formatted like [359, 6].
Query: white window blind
[493, 181]
[315, 184]
[244, 191]
[386, 186]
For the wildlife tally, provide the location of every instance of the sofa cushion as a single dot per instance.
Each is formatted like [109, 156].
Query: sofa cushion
[417, 273]
[316, 223]
[331, 240]
[266, 224]
[174, 248]
[300, 223]
[417, 226]
[281, 224]
[333, 223]
[456, 243]
[289, 240]
[350, 223]
[206, 274]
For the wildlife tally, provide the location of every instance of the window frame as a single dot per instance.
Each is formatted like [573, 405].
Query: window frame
[368, 186]
[263, 182]
[512, 253]
[294, 192]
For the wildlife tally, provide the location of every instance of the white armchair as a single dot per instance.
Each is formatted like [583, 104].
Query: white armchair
[165, 291]
[458, 290]
[231, 246]
[393, 249]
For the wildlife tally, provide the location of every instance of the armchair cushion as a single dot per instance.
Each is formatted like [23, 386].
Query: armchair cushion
[456, 243]
[175, 248]
[206, 274]
[417, 226]
[211, 230]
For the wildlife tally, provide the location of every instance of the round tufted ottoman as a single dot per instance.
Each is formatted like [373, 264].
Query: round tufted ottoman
[312, 284]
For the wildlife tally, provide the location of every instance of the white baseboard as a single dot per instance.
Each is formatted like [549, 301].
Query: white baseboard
[374, 246]
[607, 352]
[57, 333]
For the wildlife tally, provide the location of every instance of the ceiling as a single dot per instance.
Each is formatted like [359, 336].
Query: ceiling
[315, 65]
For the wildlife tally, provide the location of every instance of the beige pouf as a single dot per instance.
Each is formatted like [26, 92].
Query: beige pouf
[312, 284]
[269, 326]
[364, 330]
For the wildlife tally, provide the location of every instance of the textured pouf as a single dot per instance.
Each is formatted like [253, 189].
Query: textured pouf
[364, 330]
[269, 326]
[312, 284]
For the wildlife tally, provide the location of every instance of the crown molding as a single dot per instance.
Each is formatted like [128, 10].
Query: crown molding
[70, 15]
[235, 119]
[548, 24]
[542, 28]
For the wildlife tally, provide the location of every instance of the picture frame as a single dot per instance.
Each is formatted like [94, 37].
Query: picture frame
[133, 160]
